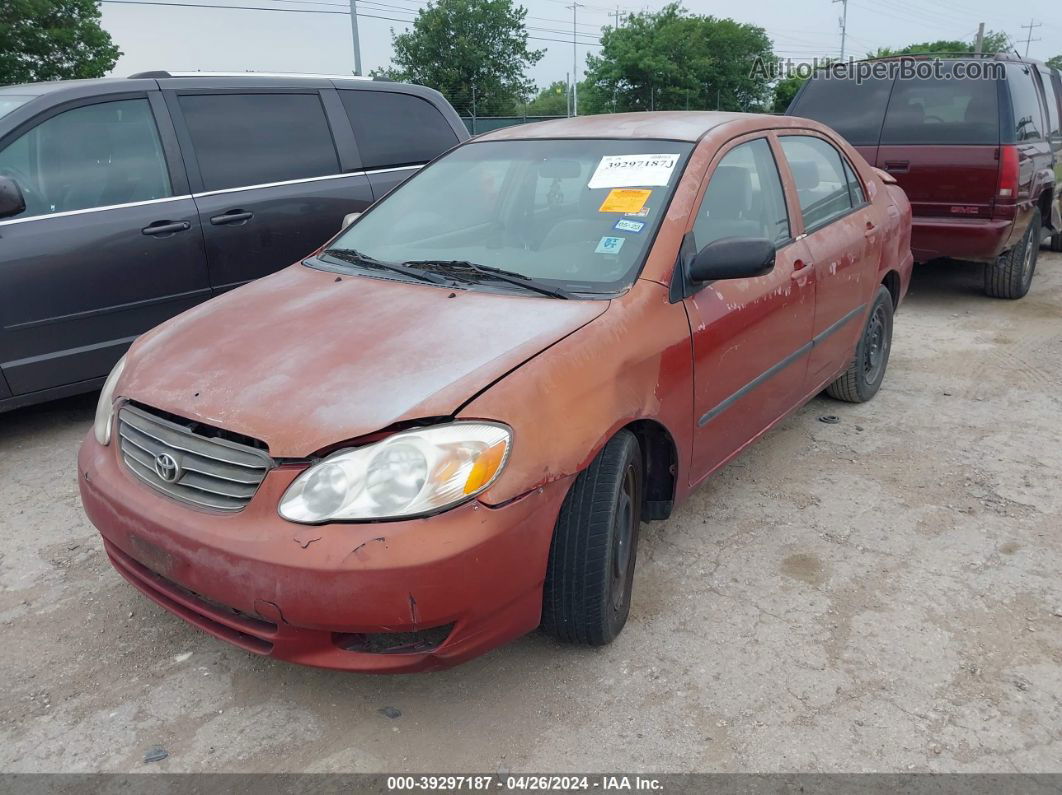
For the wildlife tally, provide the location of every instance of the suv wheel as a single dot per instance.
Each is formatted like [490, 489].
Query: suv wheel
[1011, 275]
[1056, 241]
[587, 593]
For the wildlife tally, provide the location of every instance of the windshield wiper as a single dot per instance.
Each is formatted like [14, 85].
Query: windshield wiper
[365, 261]
[511, 277]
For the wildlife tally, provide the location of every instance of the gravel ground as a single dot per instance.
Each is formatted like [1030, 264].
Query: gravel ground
[878, 594]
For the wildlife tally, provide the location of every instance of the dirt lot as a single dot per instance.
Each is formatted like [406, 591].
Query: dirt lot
[879, 594]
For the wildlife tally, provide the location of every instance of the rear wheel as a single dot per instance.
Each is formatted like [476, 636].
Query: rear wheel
[861, 381]
[587, 593]
[1011, 275]
[1056, 241]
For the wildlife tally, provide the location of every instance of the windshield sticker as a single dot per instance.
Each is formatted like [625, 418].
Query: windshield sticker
[624, 201]
[609, 245]
[640, 214]
[623, 225]
[628, 171]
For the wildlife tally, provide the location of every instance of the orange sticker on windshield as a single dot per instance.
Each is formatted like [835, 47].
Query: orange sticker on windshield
[624, 200]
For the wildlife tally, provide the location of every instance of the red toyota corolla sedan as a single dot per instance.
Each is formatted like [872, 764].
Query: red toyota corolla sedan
[444, 428]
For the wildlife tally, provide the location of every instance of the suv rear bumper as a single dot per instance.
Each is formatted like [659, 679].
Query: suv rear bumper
[976, 239]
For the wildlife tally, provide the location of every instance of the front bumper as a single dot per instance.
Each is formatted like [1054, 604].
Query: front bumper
[298, 592]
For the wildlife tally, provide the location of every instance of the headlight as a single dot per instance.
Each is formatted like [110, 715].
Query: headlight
[105, 408]
[408, 474]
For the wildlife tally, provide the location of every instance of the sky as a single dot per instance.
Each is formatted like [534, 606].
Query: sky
[208, 39]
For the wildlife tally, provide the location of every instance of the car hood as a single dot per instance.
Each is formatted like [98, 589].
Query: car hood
[304, 359]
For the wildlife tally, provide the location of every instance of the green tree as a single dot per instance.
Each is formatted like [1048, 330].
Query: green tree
[551, 101]
[1055, 62]
[672, 59]
[53, 40]
[473, 51]
[784, 91]
[994, 41]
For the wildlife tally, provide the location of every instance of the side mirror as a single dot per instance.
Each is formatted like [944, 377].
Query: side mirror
[348, 219]
[12, 202]
[733, 258]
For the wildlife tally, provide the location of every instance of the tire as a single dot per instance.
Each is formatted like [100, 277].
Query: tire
[1056, 241]
[1011, 275]
[861, 381]
[587, 594]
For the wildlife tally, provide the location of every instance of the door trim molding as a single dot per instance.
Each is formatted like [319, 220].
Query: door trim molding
[104, 208]
[777, 367]
[301, 181]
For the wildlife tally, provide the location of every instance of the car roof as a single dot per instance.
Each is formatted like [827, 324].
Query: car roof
[674, 125]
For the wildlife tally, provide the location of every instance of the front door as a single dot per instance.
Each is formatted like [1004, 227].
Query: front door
[751, 336]
[108, 247]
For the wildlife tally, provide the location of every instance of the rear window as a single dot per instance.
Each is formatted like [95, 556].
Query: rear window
[941, 110]
[1025, 104]
[255, 139]
[396, 129]
[1051, 92]
[855, 111]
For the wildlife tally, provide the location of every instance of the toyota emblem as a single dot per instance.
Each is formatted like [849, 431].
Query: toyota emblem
[167, 468]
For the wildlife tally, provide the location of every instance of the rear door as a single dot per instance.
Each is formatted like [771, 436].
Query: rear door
[109, 244]
[266, 172]
[940, 140]
[396, 134]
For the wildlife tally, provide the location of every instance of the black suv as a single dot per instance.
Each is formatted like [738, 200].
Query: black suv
[126, 201]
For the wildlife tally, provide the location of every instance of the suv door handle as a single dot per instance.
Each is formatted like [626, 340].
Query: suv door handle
[166, 228]
[232, 217]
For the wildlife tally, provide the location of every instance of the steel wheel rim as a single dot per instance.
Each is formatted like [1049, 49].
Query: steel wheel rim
[623, 539]
[877, 345]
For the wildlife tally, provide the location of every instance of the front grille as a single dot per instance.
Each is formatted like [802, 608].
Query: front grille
[208, 472]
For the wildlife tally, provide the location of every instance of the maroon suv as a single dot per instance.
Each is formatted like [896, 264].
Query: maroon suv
[979, 157]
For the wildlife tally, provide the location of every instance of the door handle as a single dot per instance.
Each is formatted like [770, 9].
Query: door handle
[166, 228]
[897, 166]
[870, 227]
[800, 268]
[232, 217]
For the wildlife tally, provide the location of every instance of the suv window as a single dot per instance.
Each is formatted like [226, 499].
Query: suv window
[1025, 103]
[818, 171]
[395, 129]
[92, 156]
[1051, 95]
[744, 198]
[853, 110]
[253, 139]
[942, 111]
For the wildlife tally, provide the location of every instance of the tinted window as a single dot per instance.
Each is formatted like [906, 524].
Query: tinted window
[1051, 92]
[1025, 103]
[92, 156]
[942, 111]
[251, 139]
[855, 111]
[396, 129]
[819, 176]
[744, 198]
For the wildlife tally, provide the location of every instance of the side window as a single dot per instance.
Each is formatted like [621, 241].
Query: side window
[820, 179]
[1051, 94]
[92, 156]
[395, 129]
[253, 139]
[744, 198]
[1025, 102]
[855, 188]
[855, 109]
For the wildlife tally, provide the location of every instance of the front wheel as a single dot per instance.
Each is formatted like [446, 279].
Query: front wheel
[587, 593]
[861, 381]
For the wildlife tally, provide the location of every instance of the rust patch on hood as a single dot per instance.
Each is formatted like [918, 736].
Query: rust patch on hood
[302, 362]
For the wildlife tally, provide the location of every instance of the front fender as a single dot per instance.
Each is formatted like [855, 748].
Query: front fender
[632, 362]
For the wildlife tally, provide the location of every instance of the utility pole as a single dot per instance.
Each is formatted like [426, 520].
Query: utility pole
[1029, 39]
[980, 45]
[568, 91]
[575, 60]
[354, 35]
[844, 23]
[619, 18]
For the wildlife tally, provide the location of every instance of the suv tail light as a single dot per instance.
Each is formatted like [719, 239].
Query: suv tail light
[1008, 174]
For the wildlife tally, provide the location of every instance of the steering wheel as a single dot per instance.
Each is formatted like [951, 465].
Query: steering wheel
[31, 197]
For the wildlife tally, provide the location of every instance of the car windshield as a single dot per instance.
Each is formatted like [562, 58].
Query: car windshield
[577, 215]
[8, 102]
